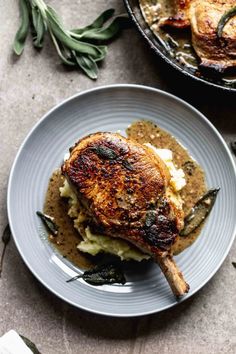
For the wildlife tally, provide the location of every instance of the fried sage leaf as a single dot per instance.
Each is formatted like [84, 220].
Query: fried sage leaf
[150, 218]
[48, 222]
[30, 345]
[127, 165]
[6, 236]
[20, 37]
[103, 274]
[224, 19]
[199, 212]
[105, 152]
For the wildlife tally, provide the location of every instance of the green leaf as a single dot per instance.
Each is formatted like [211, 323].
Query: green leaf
[99, 22]
[150, 218]
[62, 53]
[6, 237]
[105, 152]
[102, 274]
[102, 49]
[39, 27]
[103, 34]
[199, 212]
[30, 345]
[48, 222]
[64, 37]
[22, 32]
[87, 64]
[224, 19]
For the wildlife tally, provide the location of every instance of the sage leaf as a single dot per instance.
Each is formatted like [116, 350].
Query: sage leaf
[38, 26]
[199, 212]
[79, 48]
[127, 165]
[88, 65]
[30, 345]
[99, 22]
[104, 17]
[68, 41]
[150, 218]
[102, 274]
[103, 34]
[65, 59]
[21, 34]
[48, 222]
[6, 236]
[224, 19]
[105, 152]
[102, 49]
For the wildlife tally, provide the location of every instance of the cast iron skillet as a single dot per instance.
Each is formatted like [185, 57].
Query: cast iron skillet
[136, 15]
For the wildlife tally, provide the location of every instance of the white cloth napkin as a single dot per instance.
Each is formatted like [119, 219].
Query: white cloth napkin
[11, 343]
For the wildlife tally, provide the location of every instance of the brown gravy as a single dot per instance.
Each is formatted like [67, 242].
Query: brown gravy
[142, 131]
[68, 237]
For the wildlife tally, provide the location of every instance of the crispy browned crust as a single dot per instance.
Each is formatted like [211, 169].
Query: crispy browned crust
[180, 18]
[215, 53]
[124, 194]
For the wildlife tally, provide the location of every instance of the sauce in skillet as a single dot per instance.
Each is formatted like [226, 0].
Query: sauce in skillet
[142, 131]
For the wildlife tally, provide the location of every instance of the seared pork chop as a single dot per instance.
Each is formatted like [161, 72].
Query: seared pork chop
[124, 187]
[180, 16]
[213, 52]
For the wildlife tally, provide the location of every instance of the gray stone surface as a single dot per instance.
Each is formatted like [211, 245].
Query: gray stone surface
[29, 87]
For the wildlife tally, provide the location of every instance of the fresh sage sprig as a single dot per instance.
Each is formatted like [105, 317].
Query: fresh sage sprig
[81, 48]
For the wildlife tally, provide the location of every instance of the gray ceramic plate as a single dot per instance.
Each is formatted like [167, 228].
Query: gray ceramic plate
[113, 108]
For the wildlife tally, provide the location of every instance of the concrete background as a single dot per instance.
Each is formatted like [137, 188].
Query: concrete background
[29, 87]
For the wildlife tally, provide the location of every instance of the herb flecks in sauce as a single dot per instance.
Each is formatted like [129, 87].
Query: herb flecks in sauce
[101, 275]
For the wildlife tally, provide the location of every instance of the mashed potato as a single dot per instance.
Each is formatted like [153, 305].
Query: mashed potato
[95, 243]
